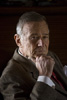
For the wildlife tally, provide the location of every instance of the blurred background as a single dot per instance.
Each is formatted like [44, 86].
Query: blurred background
[56, 14]
[33, 2]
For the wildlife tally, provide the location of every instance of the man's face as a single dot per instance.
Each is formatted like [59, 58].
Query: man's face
[35, 39]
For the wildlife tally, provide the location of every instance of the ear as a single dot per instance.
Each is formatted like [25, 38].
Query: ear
[17, 40]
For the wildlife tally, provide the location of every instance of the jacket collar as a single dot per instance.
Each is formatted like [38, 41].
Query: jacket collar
[28, 64]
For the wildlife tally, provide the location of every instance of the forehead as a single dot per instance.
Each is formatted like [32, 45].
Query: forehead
[35, 28]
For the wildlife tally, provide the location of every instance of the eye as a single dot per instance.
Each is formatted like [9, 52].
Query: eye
[45, 37]
[34, 37]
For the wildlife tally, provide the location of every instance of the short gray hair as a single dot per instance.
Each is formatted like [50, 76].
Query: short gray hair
[28, 17]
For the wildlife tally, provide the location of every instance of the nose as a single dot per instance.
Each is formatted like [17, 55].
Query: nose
[40, 42]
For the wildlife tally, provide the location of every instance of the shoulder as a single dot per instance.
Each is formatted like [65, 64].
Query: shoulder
[56, 58]
[53, 55]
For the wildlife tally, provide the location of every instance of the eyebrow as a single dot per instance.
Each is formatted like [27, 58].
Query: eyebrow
[37, 34]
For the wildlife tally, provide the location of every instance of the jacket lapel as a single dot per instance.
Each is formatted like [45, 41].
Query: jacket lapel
[62, 78]
[28, 64]
[59, 88]
[58, 69]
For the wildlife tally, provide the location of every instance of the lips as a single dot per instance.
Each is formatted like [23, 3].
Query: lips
[39, 51]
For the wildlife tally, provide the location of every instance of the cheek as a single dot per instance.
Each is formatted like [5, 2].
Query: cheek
[47, 43]
[28, 47]
[25, 46]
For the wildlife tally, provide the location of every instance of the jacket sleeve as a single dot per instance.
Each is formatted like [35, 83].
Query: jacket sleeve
[42, 91]
[18, 84]
[19, 90]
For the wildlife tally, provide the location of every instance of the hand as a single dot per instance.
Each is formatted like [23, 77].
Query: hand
[45, 65]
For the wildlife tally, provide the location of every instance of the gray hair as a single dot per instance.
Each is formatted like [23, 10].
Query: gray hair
[28, 17]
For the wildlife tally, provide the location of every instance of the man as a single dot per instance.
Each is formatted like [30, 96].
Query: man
[33, 73]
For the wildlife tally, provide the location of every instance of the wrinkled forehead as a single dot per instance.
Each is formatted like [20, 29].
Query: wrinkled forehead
[34, 23]
[40, 26]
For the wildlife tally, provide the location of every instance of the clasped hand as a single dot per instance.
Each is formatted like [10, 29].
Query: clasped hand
[45, 65]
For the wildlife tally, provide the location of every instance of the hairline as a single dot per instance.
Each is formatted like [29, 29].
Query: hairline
[23, 20]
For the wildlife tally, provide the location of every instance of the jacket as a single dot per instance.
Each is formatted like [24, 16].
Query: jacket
[19, 81]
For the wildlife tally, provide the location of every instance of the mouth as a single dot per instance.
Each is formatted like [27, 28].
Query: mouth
[39, 51]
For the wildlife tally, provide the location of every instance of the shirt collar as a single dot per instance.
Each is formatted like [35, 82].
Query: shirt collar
[20, 53]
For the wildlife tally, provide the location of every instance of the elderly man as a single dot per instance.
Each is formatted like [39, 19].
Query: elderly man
[34, 72]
